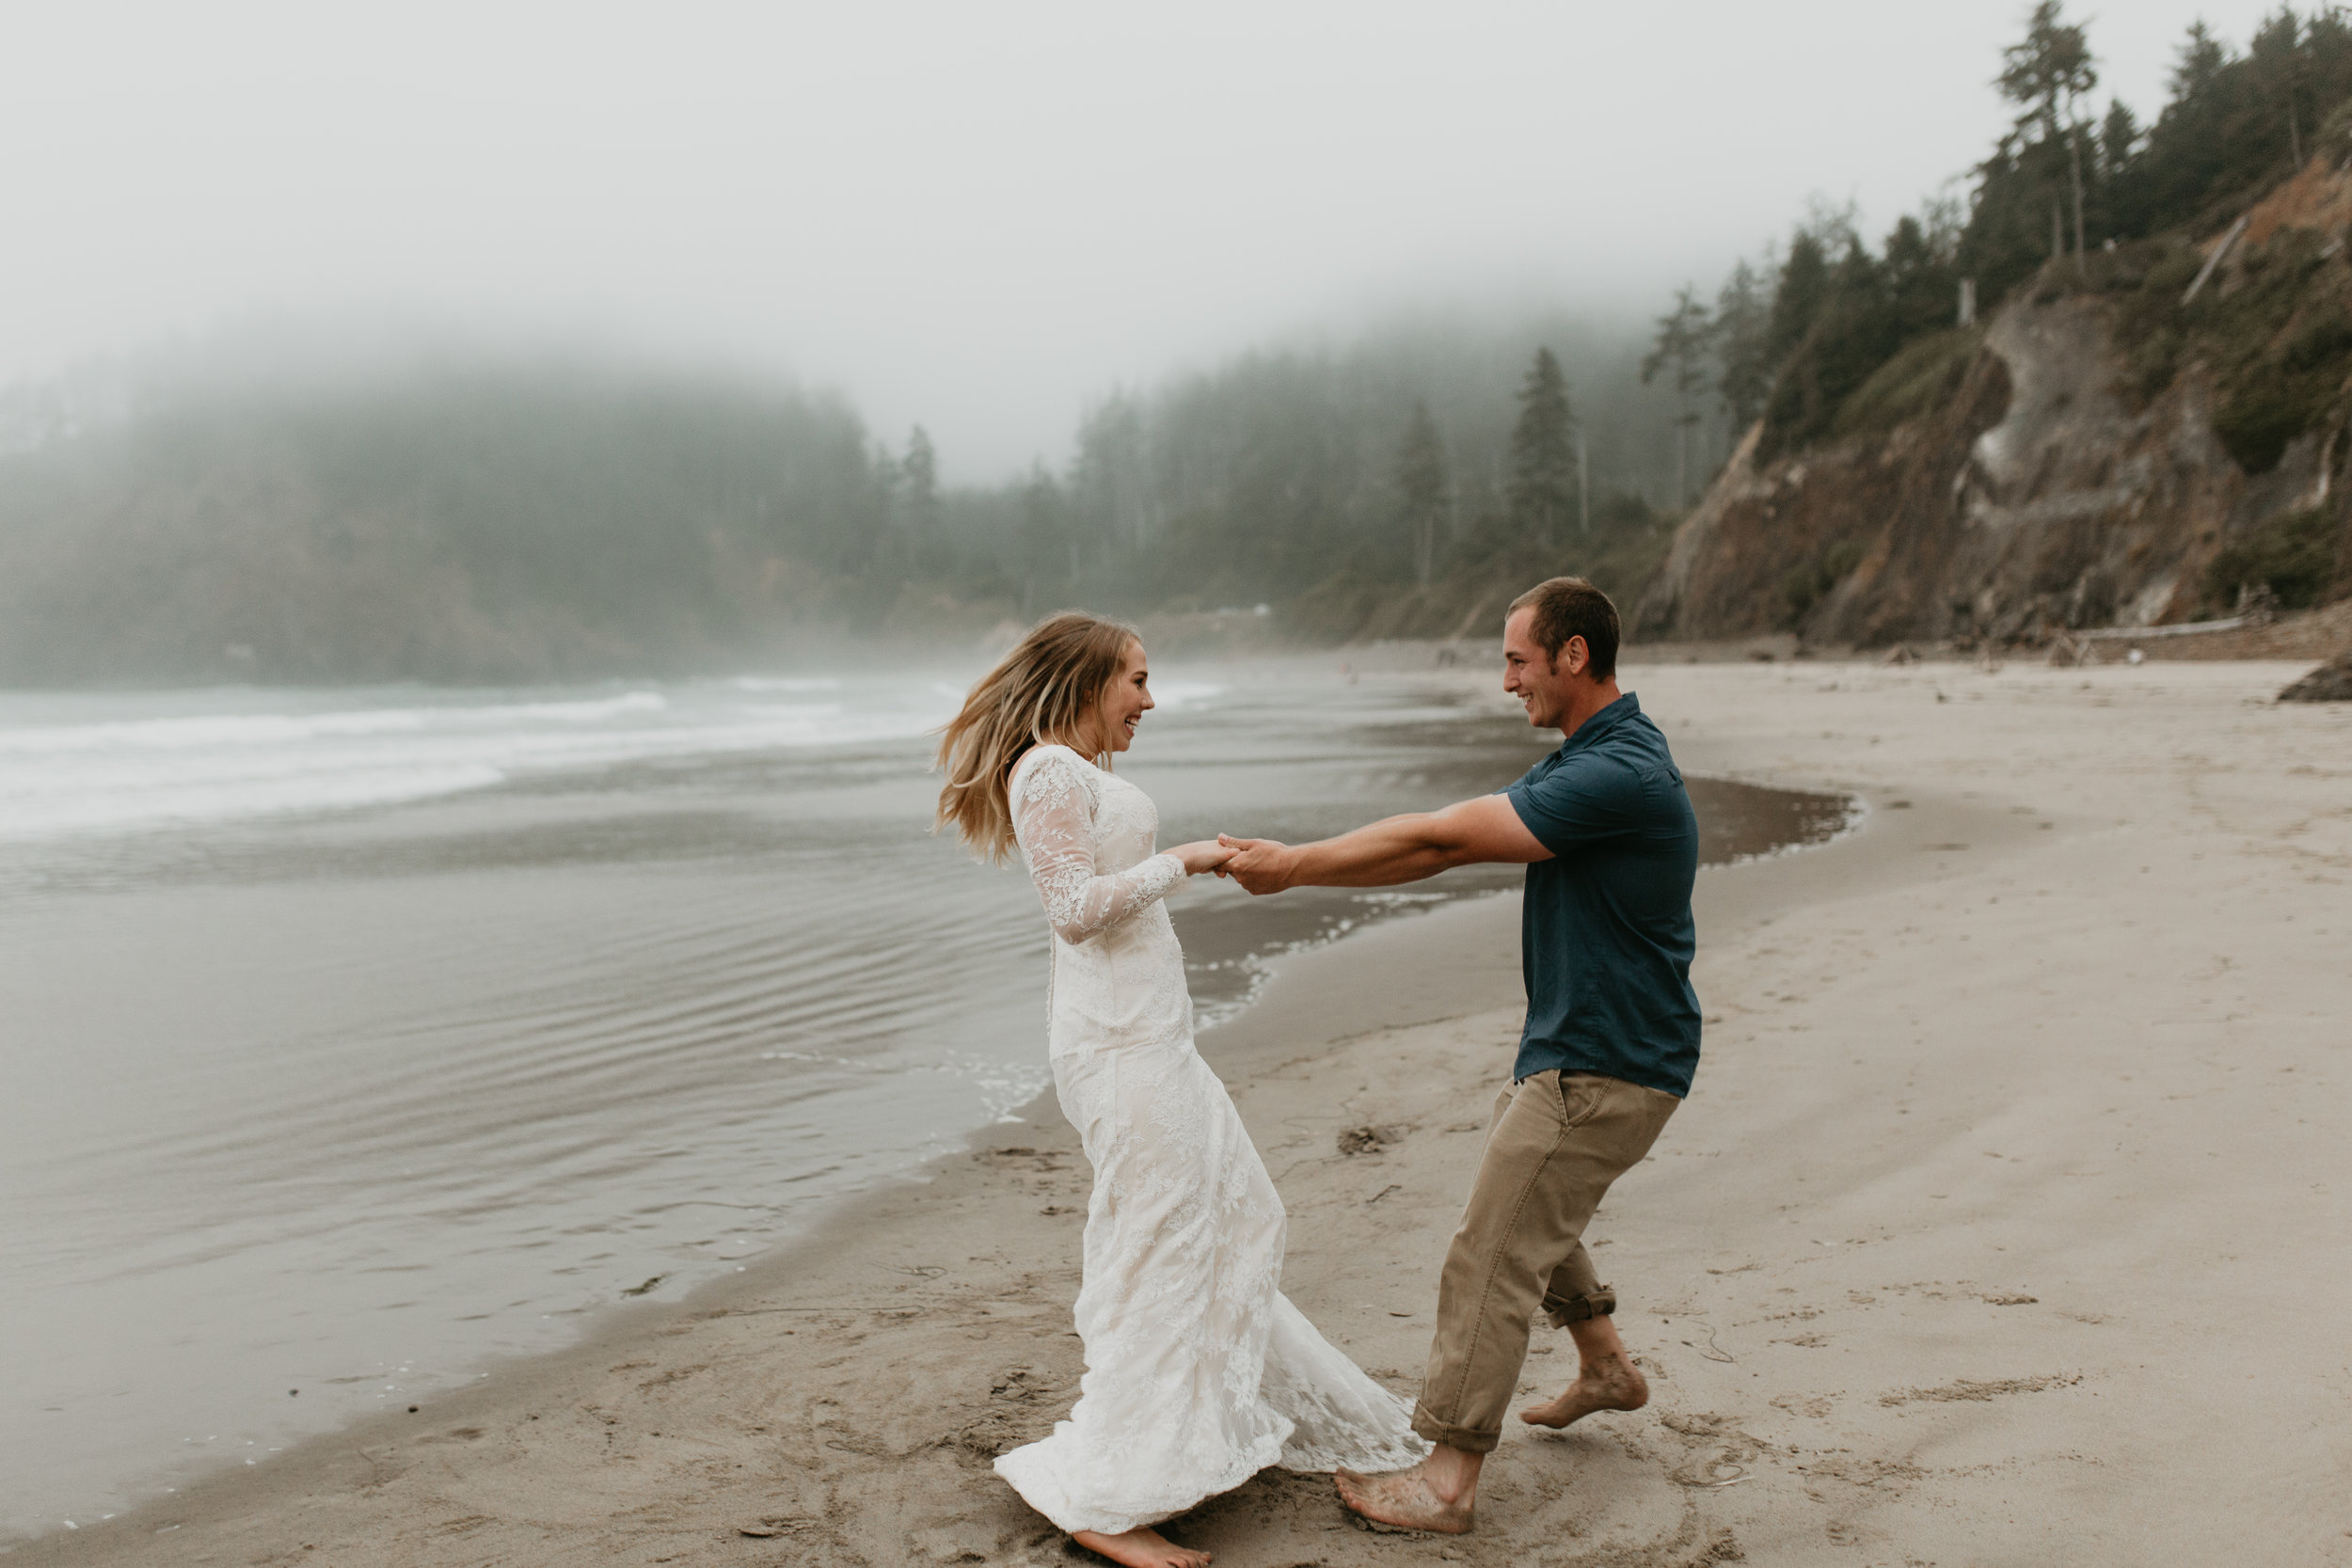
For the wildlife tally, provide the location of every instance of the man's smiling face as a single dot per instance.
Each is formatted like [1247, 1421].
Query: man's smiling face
[1541, 684]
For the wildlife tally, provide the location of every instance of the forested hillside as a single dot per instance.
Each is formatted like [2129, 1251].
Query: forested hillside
[474, 516]
[2143, 422]
[1396, 463]
[477, 521]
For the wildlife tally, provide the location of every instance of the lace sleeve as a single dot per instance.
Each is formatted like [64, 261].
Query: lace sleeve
[1053, 818]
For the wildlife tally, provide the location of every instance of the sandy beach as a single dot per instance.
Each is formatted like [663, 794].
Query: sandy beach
[2007, 1223]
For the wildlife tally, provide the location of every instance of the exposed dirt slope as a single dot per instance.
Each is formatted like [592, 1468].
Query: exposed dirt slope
[2084, 468]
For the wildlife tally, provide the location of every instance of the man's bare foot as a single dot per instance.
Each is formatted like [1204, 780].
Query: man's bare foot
[1404, 1499]
[1141, 1548]
[1613, 1382]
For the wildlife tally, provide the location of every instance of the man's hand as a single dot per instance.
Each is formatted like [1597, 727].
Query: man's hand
[1259, 864]
[1392, 851]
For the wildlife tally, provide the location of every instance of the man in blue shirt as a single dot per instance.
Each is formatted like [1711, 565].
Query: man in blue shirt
[1605, 830]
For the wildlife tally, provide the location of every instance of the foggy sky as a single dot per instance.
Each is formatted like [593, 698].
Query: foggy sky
[973, 217]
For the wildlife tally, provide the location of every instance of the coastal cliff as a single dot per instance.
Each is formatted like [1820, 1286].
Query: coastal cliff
[2100, 452]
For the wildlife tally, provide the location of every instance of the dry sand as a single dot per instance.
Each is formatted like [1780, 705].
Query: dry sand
[2008, 1223]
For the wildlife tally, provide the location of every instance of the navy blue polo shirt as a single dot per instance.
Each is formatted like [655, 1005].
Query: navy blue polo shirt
[1605, 935]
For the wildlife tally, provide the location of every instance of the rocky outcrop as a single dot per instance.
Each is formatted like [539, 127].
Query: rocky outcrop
[2330, 682]
[2038, 493]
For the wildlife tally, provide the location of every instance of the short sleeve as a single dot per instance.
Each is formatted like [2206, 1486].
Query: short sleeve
[1583, 800]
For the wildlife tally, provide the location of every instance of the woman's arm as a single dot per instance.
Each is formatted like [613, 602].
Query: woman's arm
[1053, 818]
[1394, 849]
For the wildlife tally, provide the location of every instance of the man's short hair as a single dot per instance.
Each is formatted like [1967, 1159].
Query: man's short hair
[1570, 607]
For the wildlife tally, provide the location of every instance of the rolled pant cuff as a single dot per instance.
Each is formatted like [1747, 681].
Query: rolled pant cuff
[1464, 1438]
[1577, 1310]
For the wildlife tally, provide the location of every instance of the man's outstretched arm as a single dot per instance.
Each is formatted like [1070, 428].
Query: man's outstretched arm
[1394, 849]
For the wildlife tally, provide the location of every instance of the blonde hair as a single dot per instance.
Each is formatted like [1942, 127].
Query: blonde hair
[1044, 686]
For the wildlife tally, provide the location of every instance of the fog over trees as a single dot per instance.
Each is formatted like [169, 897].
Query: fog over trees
[480, 514]
[493, 515]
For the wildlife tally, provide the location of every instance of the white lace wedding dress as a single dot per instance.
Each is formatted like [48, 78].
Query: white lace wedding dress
[1199, 1371]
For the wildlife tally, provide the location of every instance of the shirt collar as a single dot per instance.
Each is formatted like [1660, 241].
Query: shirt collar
[1601, 723]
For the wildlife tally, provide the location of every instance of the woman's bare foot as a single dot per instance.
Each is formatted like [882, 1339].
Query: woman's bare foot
[1612, 1382]
[1406, 1499]
[1141, 1548]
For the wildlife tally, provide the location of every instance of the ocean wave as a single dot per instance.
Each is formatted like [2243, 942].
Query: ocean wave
[1175, 695]
[207, 732]
[82, 774]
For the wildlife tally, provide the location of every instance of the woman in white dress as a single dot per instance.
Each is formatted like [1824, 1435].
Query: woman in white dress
[1199, 1372]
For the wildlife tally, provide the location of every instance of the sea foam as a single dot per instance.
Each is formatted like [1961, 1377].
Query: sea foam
[126, 762]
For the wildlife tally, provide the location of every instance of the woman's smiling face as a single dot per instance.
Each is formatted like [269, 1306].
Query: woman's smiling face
[1125, 699]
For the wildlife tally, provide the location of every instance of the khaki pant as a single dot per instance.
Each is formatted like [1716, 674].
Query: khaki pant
[1555, 1144]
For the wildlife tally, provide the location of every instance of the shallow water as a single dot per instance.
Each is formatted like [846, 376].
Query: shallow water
[354, 1038]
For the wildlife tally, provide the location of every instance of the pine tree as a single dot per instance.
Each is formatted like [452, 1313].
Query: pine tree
[1049, 546]
[883, 546]
[2044, 75]
[1921, 284]
[2198, 63]
[2121, 201]
[1743, 313]
[1681, 346]
[1542, 494]
[919, 471]
[1427, 488]
[1804, 289]
[2275, 61]
[2119, 138]
[1110, 476]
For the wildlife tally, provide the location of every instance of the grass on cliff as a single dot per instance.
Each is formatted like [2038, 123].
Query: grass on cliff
[2294, 554]
[2273, 329]
[2275, 333]
[1912, 384]
[1802, 587]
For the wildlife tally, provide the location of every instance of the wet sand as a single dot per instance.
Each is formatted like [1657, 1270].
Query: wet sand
[2006, 1223]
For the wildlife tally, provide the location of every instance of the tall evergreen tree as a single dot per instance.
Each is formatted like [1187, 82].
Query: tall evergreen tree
[2043, 74]
[920, 470]
[1110, 476]
[1422, 480]
[1542, 494]
[2119, 137]
[1797, 302]
[1922, 286]
[885, 546]
[2121, 204]
[1049, 546]
[2198, 63]
[1742, 328]
[1680, 346]
[2275, 59]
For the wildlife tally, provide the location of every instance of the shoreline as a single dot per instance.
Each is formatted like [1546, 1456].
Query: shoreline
[843, 1395]
[402, 1092]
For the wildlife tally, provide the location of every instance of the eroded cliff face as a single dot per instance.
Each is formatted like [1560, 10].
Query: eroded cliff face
[2031, 500]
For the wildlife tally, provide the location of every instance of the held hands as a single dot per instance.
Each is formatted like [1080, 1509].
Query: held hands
[1259, 864]
[1204, 855]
